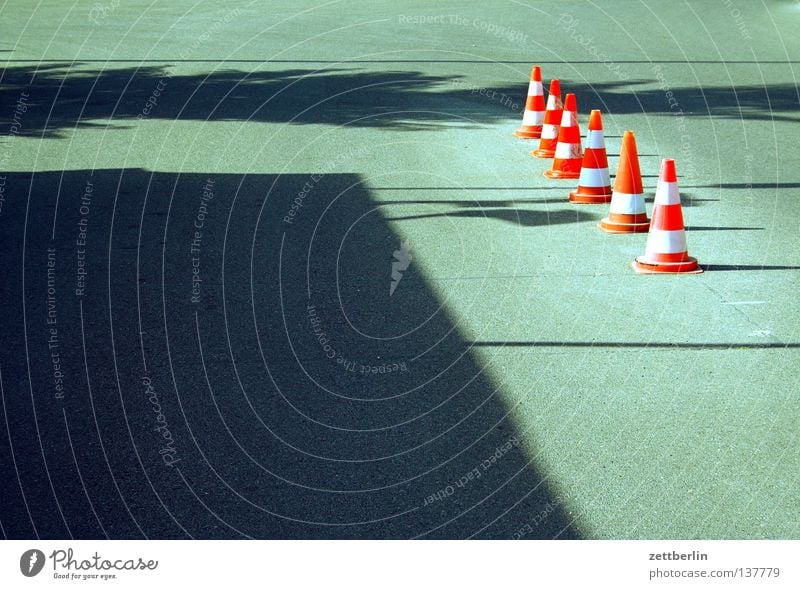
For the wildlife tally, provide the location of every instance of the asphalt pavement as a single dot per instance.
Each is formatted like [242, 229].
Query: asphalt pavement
[282, 270]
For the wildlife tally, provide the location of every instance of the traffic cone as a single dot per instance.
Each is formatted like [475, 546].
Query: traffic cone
[666, 252]
[533, 118]
[627, 213]
[594, 185]
[552, 120]
[568, 156]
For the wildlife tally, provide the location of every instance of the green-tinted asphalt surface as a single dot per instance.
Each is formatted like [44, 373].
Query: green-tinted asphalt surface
[536, 386]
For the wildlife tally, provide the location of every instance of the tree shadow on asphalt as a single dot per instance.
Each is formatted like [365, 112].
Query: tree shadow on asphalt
[768, 102]
[303, 397]
[399, 100]
[64, 97]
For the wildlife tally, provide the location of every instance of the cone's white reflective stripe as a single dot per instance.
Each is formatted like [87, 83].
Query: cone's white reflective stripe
[667, 193]
[595, 140]
[567, 151]
[535, 89]
[552, 104]
[627, 204]
[549, 132]
[594, 177]
[665, 242]
[568, 119]
[533, 117]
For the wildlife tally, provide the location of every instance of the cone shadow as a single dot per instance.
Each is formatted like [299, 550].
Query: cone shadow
[751, 186]
[523, 217]
[636, 345]
[743, 267]
[713, 228]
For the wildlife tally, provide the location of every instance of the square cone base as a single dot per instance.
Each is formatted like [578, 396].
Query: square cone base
[613, 227]
[545, 154]
[589, 199]
[562, 174]
[528, 133]
[688, 266]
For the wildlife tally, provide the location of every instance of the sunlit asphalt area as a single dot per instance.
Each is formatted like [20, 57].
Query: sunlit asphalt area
[282, 270]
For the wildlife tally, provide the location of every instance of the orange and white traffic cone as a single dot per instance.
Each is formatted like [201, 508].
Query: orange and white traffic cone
[627, 213]
[594, 185]
[533, 118]
[569, 155]
[552, 120]
[666, 251]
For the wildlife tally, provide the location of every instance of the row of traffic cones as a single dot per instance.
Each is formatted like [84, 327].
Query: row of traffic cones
[556, 126]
